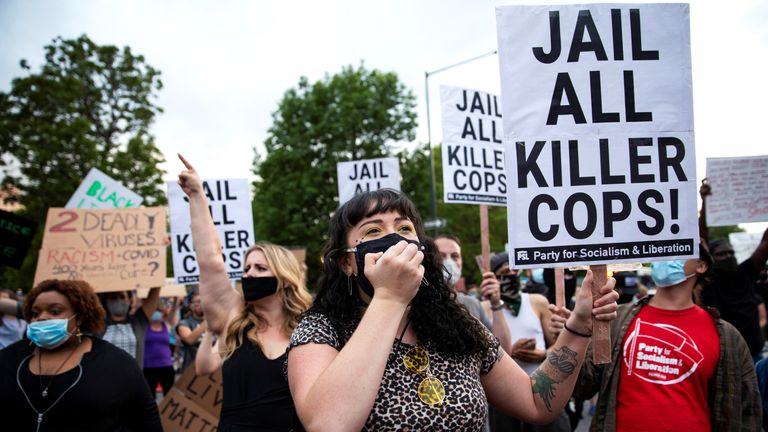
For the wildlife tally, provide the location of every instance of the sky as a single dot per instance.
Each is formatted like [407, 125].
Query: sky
[226, 64]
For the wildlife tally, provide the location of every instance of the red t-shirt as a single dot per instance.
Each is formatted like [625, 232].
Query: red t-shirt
[668, 359]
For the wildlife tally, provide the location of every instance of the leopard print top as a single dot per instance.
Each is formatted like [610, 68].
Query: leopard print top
[397, 406]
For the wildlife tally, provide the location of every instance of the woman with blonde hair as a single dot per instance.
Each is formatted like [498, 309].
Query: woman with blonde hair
[253, 328]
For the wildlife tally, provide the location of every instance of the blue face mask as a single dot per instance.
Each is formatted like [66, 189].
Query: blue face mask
[48, 334]
[157, 316]
[668, 273]
[538, 275]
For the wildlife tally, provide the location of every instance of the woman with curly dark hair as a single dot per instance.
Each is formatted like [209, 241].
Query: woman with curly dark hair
[386, 347]
[63, 377]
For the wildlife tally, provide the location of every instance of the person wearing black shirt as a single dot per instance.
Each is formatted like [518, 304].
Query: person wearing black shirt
[60, 377]
[253, 329]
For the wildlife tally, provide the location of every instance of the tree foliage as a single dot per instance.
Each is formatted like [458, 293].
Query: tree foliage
[88, 106]
[355, 114]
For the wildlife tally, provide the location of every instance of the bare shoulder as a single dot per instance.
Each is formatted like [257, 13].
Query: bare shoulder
[539, 302]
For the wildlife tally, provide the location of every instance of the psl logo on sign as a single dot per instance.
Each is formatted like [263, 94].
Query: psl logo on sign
[598, 132]
[473, 157]
[366, 175]
[229, 203]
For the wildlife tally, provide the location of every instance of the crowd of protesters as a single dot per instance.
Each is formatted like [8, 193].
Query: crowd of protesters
[396, 339]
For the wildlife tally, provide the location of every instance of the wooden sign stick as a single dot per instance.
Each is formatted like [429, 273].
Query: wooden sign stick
[485, 242]
[559, 287]
[601, 330]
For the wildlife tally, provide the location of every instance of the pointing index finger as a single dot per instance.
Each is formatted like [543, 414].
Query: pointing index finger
[185, 162]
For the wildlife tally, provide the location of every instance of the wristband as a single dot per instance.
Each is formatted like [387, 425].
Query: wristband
[575, 332]
[497, 306]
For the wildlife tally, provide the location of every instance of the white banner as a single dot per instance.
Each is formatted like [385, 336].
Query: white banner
[367, 175]
[744, 244]
[739, 190]
[598, 132]
[473, 154]
[230, 205]
[99, 190]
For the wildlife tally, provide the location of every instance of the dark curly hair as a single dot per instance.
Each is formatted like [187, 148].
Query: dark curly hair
[435, 316]
[80, 295]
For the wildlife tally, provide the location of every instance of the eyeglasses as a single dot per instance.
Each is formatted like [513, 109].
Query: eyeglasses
[431, 390]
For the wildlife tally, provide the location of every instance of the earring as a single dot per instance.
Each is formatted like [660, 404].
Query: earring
[349, 284]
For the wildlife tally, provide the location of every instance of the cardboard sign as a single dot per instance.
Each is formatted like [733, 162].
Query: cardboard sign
[180, 414]
[99, 190]
[203, 390]
[16, 235]
[367, 175]
[112, 249]
[230, 206]
[170, 291]
[598, 133]
[739, 190]
[473, 154]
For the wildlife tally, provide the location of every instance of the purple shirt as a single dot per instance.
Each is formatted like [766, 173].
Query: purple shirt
[157, 350]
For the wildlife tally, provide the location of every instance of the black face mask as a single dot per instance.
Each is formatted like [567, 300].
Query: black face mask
[255, 288]
[509, 285]
[729, 264]
[374, 246]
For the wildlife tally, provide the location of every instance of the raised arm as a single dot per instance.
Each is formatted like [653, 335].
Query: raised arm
[207, 359]
[492, 291]
[540, 397]
[704, 191]
[149, 304]
[335, 390]
[219, 300]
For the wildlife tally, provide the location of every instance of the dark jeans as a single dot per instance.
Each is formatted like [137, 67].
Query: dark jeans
[163, 375]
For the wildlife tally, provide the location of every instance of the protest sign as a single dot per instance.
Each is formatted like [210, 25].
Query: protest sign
[598, 133]
[180, 414]
[739, 188]
[112, 249]
[744, 244]
[229, 201]
[473, 154]
[194, 402]
[167, 290]
[99, 190]
[16, 235]
[367, 175]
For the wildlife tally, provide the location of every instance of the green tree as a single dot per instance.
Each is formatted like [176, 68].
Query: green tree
[88, 106]
[355, 114]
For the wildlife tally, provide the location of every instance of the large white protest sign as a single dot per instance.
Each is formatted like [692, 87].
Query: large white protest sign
[366, 175]
[598, 133]
[473, 154]
[230, 206]
[99, 190]
[739, 188]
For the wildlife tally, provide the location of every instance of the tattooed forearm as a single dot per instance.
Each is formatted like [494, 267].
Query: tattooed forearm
[563, 360]
[544, 386]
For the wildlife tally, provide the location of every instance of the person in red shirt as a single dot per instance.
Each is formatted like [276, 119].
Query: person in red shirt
[676, 366]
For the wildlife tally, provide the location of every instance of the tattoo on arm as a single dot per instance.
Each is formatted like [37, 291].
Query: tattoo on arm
[563, 360]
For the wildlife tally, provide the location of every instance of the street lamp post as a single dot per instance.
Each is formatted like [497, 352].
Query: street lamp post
[427, 74]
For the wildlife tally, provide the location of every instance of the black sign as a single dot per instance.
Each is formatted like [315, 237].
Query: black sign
[16, 235]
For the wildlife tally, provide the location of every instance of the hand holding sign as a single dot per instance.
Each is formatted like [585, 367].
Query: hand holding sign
[601, 307]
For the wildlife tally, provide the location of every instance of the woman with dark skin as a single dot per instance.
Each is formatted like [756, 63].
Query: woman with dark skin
[385, 346]
[63, 377]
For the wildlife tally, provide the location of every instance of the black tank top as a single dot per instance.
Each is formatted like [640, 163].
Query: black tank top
[256, 394]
